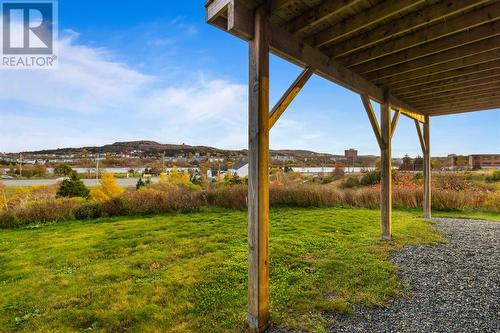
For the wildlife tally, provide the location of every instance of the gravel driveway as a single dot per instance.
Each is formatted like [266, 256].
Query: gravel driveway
[456, 286]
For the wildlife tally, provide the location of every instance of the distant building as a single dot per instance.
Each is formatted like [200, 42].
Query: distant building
[484, 161]
[351, 153]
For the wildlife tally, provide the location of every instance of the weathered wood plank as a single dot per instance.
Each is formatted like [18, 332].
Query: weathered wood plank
[409, 22]
[470, 54]
[463, 105]
[291, 48]
[453, 41]
[437, 77]
[450, 87]
[428, 35]
[489, 95]
[486, 75]
[318, 14]
[258, 176]
[380, 12]
[289, 95]
[464, 110]
[494, 87]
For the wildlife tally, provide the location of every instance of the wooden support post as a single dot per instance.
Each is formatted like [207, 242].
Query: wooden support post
[385, 172]
[427, 170]
[383, 133]
[258, 176]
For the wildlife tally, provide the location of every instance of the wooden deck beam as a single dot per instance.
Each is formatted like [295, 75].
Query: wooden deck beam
[439, 68]
[378, 13]
[486, 75]
[443, 112]
[476, 84]
[451, 74]
[461, 98]
[492, 88]
[291, 48]
[494, 102]
[289, 95]
[409, 22]
[318, 14]
[457, 40]
[429, 35]
[258, 176]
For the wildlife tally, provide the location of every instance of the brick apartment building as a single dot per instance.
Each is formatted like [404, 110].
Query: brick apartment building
[484, 161]
[351, 153]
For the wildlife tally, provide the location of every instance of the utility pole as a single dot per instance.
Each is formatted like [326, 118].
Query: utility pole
[20, 165]
[97, 167]
[163, 162]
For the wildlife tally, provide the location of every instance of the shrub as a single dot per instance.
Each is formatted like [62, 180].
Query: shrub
[370, 178]
[350, 182]
[63, 170]
[40, 212]
[327, 180]
[418, 176]
[107, 188]
[73, 187]
[88, 211]
[495, 177]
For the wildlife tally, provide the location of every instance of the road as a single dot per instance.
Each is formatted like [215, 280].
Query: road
[124, 182]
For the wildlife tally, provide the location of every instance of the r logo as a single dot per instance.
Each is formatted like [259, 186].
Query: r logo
[28, 27]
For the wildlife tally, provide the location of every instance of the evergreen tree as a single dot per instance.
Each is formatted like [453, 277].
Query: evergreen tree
[140, 183]
[73, 187]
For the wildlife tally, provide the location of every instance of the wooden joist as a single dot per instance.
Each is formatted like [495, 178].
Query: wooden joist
[462, 87]
[379, 12]
[442, 68]
[457, 74]
[486, 75]
[318, 14]
[450, 42]
[483, 50]
[427, 35]
[450, 95]
[459, 98]
[443, 112]
[409, 22]
[289, 95]
[493, 102]
[291, 48]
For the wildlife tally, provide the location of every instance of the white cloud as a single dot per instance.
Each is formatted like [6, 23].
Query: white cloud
[90, 85]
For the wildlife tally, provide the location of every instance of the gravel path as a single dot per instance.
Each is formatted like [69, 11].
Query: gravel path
[456, 286]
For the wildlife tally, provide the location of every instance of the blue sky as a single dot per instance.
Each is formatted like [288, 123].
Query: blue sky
[153, 70]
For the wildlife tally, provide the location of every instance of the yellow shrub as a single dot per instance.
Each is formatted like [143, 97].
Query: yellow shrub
[107, 189]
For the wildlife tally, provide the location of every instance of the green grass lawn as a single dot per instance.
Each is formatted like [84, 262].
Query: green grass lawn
[188, 272]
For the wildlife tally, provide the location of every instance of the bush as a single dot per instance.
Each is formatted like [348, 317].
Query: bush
[88, 211]
[55, 210]
[327, 180]
[370, 178]
[350, 182]
[495, 177]
[418, 176]
[73, 187]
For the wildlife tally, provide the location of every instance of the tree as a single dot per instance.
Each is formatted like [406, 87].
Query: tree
[140, 183]
[107, 188]
[63, 170]
[339, 170]
[407, 163]
[73, 187]
[418, 163]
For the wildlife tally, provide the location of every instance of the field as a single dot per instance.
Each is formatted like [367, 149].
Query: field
[187, 272]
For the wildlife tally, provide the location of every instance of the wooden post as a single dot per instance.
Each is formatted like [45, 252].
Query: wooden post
[427, 170]
[258, 176]
[385, 172]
